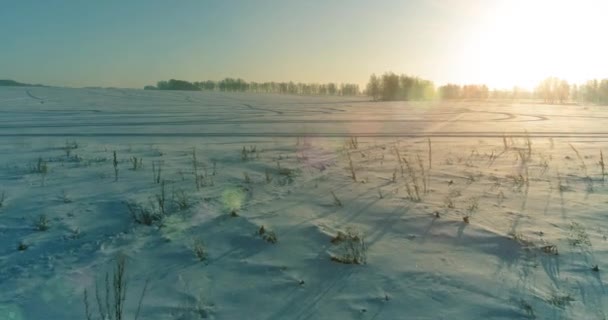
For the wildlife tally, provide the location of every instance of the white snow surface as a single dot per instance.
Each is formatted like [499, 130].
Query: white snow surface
[527, 176]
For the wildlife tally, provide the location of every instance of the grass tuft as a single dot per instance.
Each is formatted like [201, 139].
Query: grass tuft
[337, 201]
[267, 235]
[199, 249]
[42, 223]
[352, 248]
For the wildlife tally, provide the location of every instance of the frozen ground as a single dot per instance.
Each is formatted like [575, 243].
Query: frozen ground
[526, 177]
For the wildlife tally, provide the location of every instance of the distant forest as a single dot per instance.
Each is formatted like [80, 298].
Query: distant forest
[240, 85]
[13, 83]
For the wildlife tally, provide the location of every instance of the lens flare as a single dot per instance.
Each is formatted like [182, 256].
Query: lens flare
[233, 199]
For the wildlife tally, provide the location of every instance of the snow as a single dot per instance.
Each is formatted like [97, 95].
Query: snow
[512, 168]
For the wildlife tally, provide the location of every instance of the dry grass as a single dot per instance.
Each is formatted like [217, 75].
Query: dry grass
[351, 167]
[136, 163]
[602, 165]
[111, 302]
[144, 215]
[412, 183]
[268, 235]
[199, 249]
[42, 223]
[182, 199]
[352, 143]
[115, 164]
[352, 248]
[157, 167]
[337, 201]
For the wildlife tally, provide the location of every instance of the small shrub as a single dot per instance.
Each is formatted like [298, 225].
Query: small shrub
[42, 223]
[199, 250]
[143, 215]
[136, 163]
[267, 235]
[22, 246]
[40, 167]
[270, 237]
[182, 200]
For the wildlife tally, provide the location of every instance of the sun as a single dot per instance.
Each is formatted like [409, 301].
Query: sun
[521, 42]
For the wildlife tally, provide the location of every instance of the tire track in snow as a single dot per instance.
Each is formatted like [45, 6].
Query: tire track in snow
[261, 109]
[420, 134]
[215, 122]
[33, 96]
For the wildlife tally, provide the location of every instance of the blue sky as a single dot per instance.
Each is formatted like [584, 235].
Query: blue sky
[133, 43]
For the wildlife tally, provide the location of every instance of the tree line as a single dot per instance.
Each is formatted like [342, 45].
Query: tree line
[13, 83]
[392, 87]
[555, 90]
[240, 85]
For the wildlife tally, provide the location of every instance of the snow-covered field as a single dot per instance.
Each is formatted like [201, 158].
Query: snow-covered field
[399, 178]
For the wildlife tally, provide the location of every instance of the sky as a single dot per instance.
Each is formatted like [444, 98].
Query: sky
[134, 43]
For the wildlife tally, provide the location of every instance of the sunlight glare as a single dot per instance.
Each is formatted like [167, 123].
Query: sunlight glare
[522, 42]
